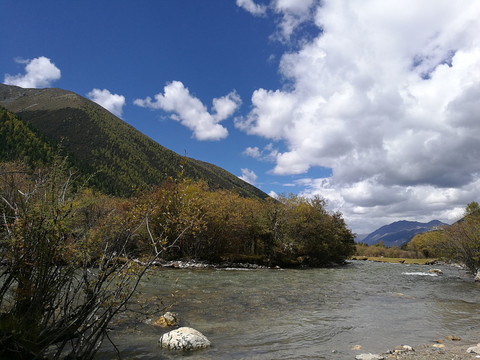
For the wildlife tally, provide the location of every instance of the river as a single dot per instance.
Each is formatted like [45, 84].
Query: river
[309, 313]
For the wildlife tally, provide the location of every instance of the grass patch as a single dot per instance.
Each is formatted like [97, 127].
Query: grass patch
[396, 260]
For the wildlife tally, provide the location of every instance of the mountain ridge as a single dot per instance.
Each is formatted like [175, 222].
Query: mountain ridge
[400, 232]
[117, 156]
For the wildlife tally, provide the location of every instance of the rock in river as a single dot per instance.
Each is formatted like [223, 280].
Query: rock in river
[369, 357]
[474, 349]
[184, 338]
[166, 320]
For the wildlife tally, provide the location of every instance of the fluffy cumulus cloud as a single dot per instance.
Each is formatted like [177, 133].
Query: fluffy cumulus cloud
[387, 97]
[253, 152]
[252, 7]
[268, 153]
[112, 102]
[293, 13]
[39, 72]
[192, 113]
[248, 176]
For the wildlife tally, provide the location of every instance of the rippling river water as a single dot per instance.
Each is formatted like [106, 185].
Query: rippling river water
[308, 314]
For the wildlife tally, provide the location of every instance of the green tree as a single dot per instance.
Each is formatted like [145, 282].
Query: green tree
[472, 209]
[462, 239]
[18, 141]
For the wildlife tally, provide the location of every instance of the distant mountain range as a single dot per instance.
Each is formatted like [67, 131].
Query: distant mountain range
[400, 232]
[118, 158]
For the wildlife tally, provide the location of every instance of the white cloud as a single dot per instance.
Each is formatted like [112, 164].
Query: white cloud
[387, 97]
[268, 153]
[39, 72]
[274, 108]
[252, 7]
[225, 106]
[249, 176]
[273, 194]
[293, 14]
[252, 152]
[369, 204]
[190, 111]
[112, 102]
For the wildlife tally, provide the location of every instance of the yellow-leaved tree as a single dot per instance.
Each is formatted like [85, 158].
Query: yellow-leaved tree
[66, 267]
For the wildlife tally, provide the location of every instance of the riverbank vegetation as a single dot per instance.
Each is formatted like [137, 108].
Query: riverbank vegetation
[61, 283]
[380, 250]
[71, 257]
[381, 253]
[396, 260]
[459, 243]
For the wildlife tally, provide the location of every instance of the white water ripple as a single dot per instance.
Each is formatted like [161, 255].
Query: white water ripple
[419, 273]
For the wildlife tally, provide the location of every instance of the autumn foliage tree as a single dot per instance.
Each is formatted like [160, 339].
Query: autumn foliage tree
[311, 234]
[224, 226]
[67, 270]
[176, 216]
[72, 258]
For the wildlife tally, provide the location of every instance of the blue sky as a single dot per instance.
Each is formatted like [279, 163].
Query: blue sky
[372, 105]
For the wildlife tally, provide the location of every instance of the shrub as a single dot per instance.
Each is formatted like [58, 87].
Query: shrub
[61, 282]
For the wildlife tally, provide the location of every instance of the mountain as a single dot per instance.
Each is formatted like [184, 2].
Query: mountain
[400, 232]
[360, 237]
[118, 157]
[19, 141]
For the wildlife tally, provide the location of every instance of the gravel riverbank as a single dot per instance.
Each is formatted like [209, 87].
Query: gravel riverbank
[449, 350]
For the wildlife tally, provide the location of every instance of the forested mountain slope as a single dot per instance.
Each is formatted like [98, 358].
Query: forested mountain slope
[19, 141]
[119, 157]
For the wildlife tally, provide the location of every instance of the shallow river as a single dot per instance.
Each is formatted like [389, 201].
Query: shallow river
[308, 314]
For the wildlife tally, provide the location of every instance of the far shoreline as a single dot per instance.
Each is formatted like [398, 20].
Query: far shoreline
[396, 260]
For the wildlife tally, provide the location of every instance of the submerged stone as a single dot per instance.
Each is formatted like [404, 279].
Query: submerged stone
[452, 338]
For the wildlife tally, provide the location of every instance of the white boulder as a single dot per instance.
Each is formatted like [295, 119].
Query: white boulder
[369, 357]
[402, 349]
[184, 338]
[474, 349]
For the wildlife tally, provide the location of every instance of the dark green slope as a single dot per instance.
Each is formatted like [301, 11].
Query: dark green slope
[120, 158]
[19, 141]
